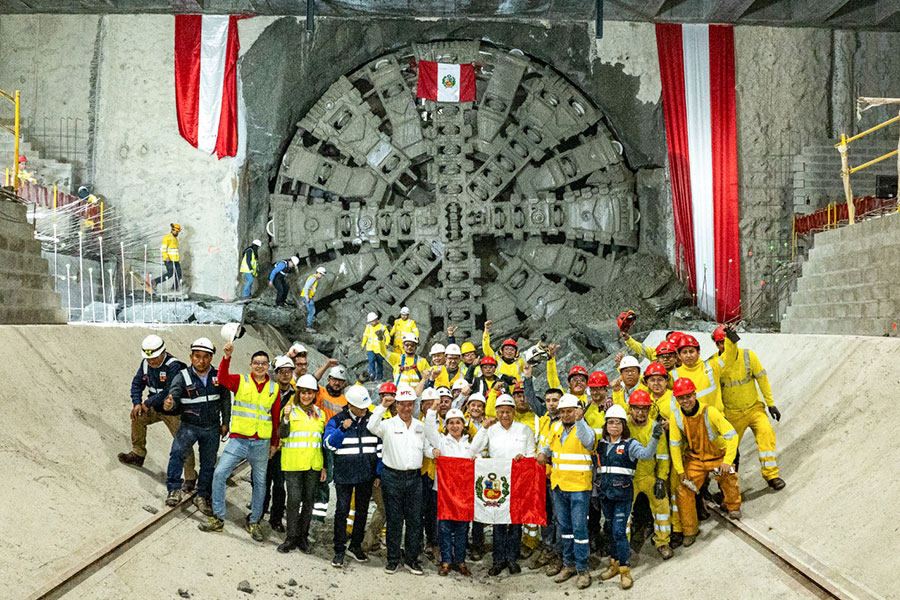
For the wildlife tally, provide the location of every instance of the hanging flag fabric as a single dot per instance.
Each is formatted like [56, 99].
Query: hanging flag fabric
[491, 490]
[206, 51]
[696, 64]
[445, 82]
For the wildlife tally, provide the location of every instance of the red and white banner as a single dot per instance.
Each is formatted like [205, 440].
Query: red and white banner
[206, 51]
[696, 63]
[444, 82]
[491, 490]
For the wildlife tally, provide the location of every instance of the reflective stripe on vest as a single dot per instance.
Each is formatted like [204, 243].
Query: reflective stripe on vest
[186, 373]
[302, 449]
[709, 430]
[356, 445]
[748, 375]
[251, 409]
[166, 363]
[571, 465]
[617, 470]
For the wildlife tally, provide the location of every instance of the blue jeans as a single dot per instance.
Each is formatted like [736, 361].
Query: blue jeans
[248, 283]
[257, 454]
[207, 438]
[616, 513]
[452, 536]
[571, 518]
[507, 544]
[310, 311]
[376, 366]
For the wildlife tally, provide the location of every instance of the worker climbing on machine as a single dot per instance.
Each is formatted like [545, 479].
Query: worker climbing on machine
[171, 259]
[509, 365]
[308, 294]
[701, 442]
[374, 342]
[278, 278]
[250, 266]
[155, 374]
[741, 374]
[402, 324]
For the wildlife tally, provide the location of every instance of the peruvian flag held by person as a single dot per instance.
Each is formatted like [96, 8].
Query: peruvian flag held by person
[445, 82]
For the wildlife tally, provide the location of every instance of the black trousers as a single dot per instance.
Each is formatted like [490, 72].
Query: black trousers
[342, 510]
[301, 491]
[172, 268]
[402, 492]
[507, 543]
[281, 287]
[275, 491]
[429, 510]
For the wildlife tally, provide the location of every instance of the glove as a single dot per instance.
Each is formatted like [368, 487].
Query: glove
[379, 334]
[776, 414]
[659, 489]
[658, 430]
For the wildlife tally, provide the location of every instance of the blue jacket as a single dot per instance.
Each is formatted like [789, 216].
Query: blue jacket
[282, 267]
[155, 381]
[356, 449]
[207, 406]
[614, 476]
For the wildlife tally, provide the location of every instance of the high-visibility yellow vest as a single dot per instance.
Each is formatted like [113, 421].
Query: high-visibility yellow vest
[308, 290]
[169, 248]
[571, 464]
[400, 327]
[253, 266]
[251, 411]
[302, 448]
[370, 339]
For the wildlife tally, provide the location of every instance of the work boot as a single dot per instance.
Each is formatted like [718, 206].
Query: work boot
[213, 524]
[665, 551]
[514, 568]
[626, 580]
[583, 580]
[444, 570]
[526, 552]
[173, 498]
[358, 554]
[676, 540]
[554, 567]
[496, 569]
[287, 546]
[304, 546]
[611, 571]
[189, 486]
[463, 569]
[689, 540]
[203, 506]
[776, 483]
[277, 526]
[566, 574]
[539, 559]
[734, 515]
[338, 561]
[476, 553]
[254, 530]
[131, 459]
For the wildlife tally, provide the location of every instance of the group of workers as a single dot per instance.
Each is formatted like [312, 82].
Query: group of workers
[660, 434]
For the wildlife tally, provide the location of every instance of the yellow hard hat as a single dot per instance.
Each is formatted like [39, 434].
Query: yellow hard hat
[468, 347]
[176, 226]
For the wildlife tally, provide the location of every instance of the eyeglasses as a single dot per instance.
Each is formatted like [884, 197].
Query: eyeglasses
[260, 363]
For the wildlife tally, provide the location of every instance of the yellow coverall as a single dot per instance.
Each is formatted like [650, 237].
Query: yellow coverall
[169, 248]
[400, 327]
[554, 382]
[645, 475]
[705, 374]
[741, 374]
[663, 406]
[513, 369]
[698, 445]
[370, 341]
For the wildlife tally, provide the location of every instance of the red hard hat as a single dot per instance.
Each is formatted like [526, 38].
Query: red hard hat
[509, 342]
[666, 348]
[640, 398]
[655, 368]
[387, 387]
[719, 334]
[683, 386]
[519, 387]
[623, 317]
[22, 159]
[577, 370]
[488, 360]
[673, 337]
[598, 379]
[686, 341]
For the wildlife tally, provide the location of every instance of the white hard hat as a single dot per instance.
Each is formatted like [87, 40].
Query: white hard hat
[629, 361]
[410, 337]
[321, 270]
[437, 349]
[404, 310]
[616, 412]
[338, 372]
[204, 344]
[371, 317]
[152, 346]
[405, 393]
[295, 260]
[229, 331]
[459, 384]
[257, 243]
[443, 391]
[308, 382]
[297, 349]
[453, 350]
[503, 400]
[283, 361]
[430, 394]
[477, 396]
[358, 396]
[568, 401]
[454, 413]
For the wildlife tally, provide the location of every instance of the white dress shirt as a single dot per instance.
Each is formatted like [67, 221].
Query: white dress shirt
[402, 446]
[505, 443]
[448, 446]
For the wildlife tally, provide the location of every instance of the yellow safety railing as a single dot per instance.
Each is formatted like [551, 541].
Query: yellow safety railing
[846, 170]
[14, 98]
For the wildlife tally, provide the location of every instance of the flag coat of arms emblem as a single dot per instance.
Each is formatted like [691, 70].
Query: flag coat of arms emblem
[446, 82]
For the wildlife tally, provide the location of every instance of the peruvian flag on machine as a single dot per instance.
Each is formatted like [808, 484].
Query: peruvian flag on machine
[445, 82]
[206, 81]
[696, 64]
[491, 490]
